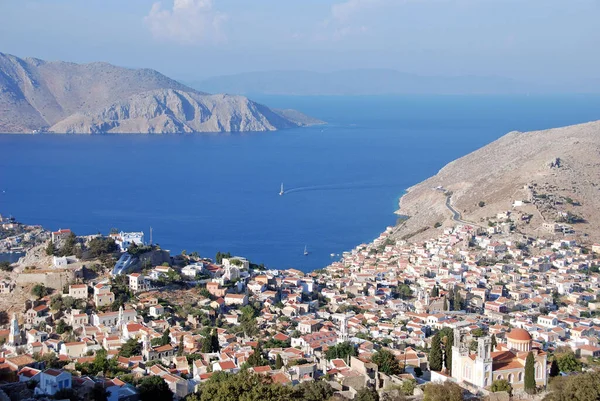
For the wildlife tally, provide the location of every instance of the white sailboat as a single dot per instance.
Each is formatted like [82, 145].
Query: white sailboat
[305, 250]
[281, 192]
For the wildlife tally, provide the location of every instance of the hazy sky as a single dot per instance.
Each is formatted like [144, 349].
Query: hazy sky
[545, 41]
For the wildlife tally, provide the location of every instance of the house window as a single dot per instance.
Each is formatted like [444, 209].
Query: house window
[499, 377]
[520, 376]
[510, 378]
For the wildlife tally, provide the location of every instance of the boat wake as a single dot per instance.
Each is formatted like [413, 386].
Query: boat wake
[340, 187]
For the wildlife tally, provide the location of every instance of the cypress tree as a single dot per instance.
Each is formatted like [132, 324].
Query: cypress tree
[435, 292]
[529, 385]
[435, 354]
[278, 362]
[180, 350]
[554, 370]
[448, 351]
[50, 250]
[457, 301]
[494, 342]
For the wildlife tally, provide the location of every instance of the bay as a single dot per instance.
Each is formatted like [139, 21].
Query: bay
[209, 193]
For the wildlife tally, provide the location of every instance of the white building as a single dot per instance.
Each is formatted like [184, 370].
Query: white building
[53, 380]
[124, 240]
[138, 282]
[78, 291]
[193, 270]
[237, 261]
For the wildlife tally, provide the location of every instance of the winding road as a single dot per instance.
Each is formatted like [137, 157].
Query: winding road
[456, 214]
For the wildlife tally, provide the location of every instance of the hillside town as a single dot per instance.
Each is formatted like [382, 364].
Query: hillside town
[482, 310]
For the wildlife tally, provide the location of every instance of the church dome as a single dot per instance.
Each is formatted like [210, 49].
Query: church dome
[519, 335]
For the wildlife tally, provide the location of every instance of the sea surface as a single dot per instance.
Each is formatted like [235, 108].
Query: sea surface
[210, 193]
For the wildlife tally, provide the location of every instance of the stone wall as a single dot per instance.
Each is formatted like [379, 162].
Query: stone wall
[52, 279]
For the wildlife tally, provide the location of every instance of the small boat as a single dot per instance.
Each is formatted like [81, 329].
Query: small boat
[305, 250]
[281, 192]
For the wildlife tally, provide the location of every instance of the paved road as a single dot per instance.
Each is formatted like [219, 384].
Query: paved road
[456, 214]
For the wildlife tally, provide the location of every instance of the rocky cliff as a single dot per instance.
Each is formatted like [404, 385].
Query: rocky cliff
[552, 176]
[65, 97]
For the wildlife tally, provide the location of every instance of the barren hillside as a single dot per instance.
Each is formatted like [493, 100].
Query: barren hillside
[61, 97]
[552, 175]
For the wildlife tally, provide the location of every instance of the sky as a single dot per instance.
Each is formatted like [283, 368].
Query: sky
[537, 41]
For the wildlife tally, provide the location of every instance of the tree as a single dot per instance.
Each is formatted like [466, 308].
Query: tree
[435, 354]
[366, 394]
[278, 362]
[501, 385]
[582, 387]
[62, 327]
[554, 369]
[211, 343]
[50, 248]
[39, 290]
[340, 351]
[529, 384]
[568, 363]
[408, 387]
[448, 336]
[68, 247]
[256, 358]
[99, 393]
[447, 391]
[313, 391]
[387, 362]
[154, 388]
[494, 342]
[478, 333]
[131, 348]
[5, 266]
[435, 292]
[165, 338]
[180, 347]
[457, 302]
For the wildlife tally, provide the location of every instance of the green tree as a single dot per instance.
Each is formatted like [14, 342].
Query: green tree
[568, 363]
[340, 351]
[501, 385]
[154, 388]
[50, 249]
[435, 354]
[457, 302]
[6, 266]
[180, 347]
[494, 342]
[68, 247]
[408, 387]
[478, 333]
[131, 348]
[366, 394]
[62, 327]
[529, 384]
[278, 362]
[554, 369]
[447, 391]
[99, 393]
[386, 362]
[256, 358]
[39, 291]
[581, 387]
[313, 391]
[435, 292]
[448, 337]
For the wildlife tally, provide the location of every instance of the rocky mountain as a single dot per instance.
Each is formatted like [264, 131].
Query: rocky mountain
[66, 97]
[542, 178]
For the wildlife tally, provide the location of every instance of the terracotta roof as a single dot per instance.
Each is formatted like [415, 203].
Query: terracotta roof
[519, 335]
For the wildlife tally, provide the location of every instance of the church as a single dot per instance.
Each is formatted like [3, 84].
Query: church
[506, 361]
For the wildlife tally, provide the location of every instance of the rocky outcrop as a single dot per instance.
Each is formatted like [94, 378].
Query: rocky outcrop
[98, 98]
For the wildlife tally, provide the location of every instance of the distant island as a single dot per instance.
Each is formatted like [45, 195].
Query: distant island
[61, 97]
[360, 82]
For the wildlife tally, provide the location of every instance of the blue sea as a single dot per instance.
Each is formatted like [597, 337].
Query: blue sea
[210, 193]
